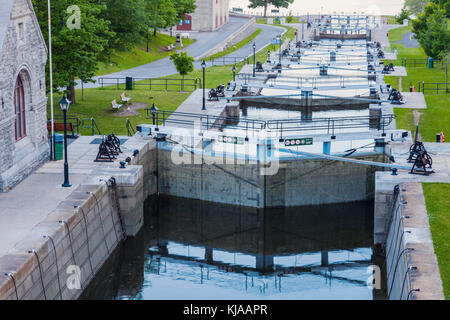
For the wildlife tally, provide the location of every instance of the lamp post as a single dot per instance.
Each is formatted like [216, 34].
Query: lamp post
[154, 111]
[204, 100]
[64, 104]
[234, 73]
[254, 58]
[279, 42]
[268, 56]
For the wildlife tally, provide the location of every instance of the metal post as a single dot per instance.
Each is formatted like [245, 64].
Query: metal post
[446, 77]
[303, 30]
[204, 100]
[66, 183]
[254, 58]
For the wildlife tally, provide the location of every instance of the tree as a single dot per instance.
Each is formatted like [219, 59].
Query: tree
[183, 63]
[76, 51]
[444, 5]
[184, 7]
[289, 18]
[415, 7]
[265, 3]
[420, 24]
[404, 15]
[129, 21]
[162, 14]
[435, 40]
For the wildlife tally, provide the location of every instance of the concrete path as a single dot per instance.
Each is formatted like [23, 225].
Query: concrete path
[205, 41]
[409, 41]
[380, 34]
[38, 195]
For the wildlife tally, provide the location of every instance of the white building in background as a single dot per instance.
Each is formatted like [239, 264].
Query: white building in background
[210, 15]
[23, 102]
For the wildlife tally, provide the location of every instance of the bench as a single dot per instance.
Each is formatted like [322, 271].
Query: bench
[115, 105]
[60, 127]
[124, 98]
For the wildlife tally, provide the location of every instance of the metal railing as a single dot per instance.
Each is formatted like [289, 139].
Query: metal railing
[204, 121]
[153, 83]
[130, 129]
[434, 87]
[414, 63]
[222, 61]
[89, 123]
[330, 125]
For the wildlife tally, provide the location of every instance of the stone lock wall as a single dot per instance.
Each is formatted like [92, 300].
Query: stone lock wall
[297, 183]
[90, 232]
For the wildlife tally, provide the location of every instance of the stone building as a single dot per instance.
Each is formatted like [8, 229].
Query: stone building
[23, 130]
[209, 15]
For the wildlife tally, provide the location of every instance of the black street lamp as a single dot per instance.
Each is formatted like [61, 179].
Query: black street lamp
[254, 58]
[204, 100]
[268, 56]
[64, 104]
[234, 73]
[279, 54]
[154, 112]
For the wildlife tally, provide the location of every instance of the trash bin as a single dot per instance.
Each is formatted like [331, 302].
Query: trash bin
[129, 83]
[430, 63]
[59, 146]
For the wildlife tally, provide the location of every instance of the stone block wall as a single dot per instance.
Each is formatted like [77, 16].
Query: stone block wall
[239, 182]
[82, 231]
[411, 265]
[22, 54]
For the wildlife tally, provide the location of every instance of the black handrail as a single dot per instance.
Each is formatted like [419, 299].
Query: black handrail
[167, 83]
[227, 60]
[436, 87]
[130, 129]
[93, 125]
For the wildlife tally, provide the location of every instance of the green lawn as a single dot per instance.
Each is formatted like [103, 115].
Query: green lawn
[139, 55]
[237, 46]
[438, 207]
[390, 19]
[97, 104]
[436, 117]
[97, 101]
[264, 20]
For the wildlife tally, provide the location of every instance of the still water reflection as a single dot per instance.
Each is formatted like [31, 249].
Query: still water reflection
[190, 249]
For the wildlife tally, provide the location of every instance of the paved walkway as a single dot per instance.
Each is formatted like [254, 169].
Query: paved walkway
[380, 34]
[38, 195]
[409, 41]
[205, 41]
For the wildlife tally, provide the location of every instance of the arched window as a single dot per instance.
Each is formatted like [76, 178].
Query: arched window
[19, 108]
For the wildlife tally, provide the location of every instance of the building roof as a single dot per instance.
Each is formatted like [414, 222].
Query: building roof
[5, 16]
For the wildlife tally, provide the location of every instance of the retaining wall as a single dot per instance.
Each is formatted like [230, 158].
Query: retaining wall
[83, 239]
[411, 265]
[82, 232]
